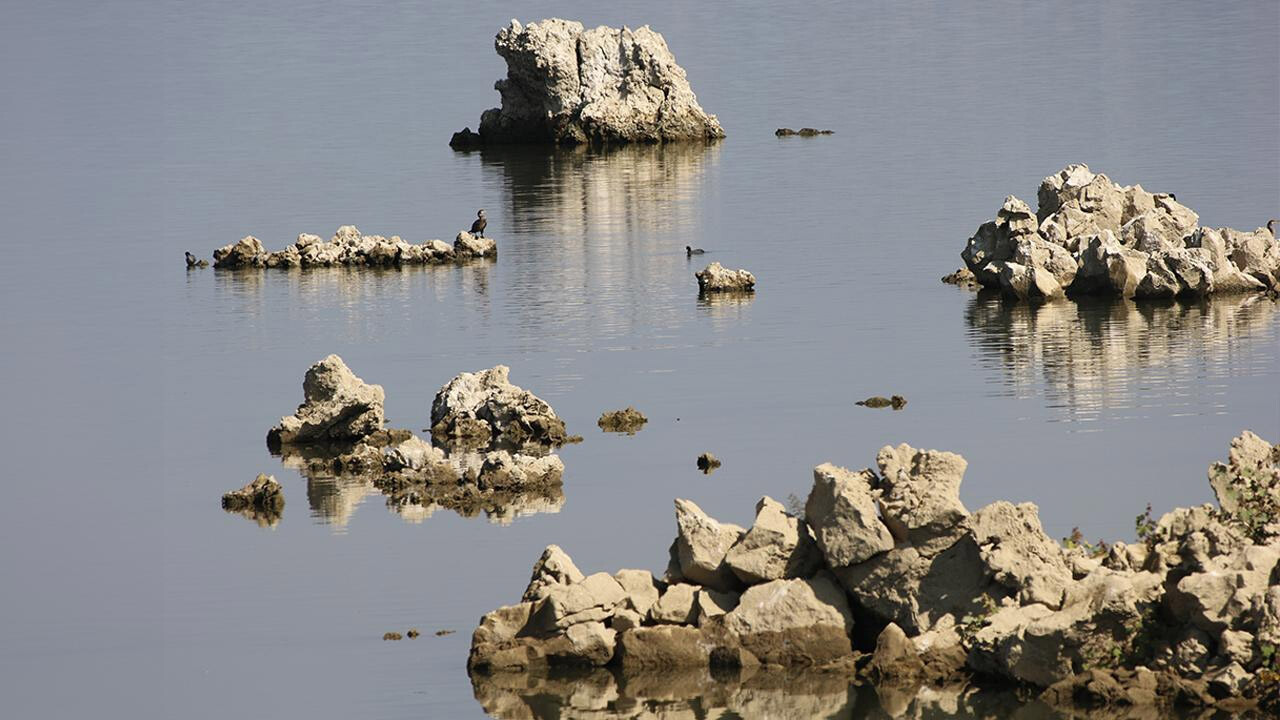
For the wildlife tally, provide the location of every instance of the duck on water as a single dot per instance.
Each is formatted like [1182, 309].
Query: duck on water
[691, 251]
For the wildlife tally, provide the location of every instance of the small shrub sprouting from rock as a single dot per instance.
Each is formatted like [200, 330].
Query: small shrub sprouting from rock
[1248, 488]
[1144, 526]
[1077, 540]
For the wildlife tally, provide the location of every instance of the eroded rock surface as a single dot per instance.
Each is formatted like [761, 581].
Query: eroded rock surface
[1090, 235]
[261, 501]
[717, 278]
[569, 85]
[1188, 615]
[337, 407]
[628, 420]
[483, 408]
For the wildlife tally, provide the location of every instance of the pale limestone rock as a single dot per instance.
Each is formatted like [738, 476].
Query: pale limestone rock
[485, 407]
[337, 407]
[920, 495]
[675, 606]
[554, 567]
[793, 622]
[642, 589]
[777, 546]
[717, 278]
[1018, 554]
[842, 512]
[467, 245]
[701, 546]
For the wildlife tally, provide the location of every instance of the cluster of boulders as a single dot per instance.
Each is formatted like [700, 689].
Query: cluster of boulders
[1090, 235]
[261, 501]
[493, 440]
[717, 278]
[348, 247]
[890, 561]
[569, 85]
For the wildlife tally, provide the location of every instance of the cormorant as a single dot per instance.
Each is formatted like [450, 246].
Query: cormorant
[690, 251]
[1271, 225]
[477, 227]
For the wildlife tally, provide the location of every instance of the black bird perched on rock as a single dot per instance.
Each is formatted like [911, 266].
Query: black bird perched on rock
[690, 251]
[477, 227]
[1271, 225]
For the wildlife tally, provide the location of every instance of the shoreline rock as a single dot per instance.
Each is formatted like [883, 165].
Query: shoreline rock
[568, 85]
[348, 247]
[901, 583]
[1092, 236]
[716, 278]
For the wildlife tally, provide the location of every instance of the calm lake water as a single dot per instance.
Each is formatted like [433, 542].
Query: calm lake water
[135, 392]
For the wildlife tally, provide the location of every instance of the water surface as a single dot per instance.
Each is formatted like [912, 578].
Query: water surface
[136, 392]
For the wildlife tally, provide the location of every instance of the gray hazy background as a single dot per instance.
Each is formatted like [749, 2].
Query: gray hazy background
[135, 393]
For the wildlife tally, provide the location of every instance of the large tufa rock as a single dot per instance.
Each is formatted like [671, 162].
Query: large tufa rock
[569, 85]
[484, 407]
[701, 545]
[337, 407]
[842, 512]
[248, 252]
[777, 546]
[920, 495]
[716, 278]
[793, 622]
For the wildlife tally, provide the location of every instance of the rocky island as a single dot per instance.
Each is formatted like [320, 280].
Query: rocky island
[1092, 236]
[888, 576]
[492, 448]
[348, 247]
[568, 85]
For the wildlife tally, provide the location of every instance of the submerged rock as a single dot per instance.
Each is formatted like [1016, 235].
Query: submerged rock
[717, 278]
[261, 501]
[569, 85]
[897, 402]
[629, 421]
[707, 463]
[485, 408]
[802, 132]
[1091, 235]
[337, 407]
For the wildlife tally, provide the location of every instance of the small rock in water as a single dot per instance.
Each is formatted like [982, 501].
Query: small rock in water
[802, 132]
[897, 402]
[413, 632]
[392, 636]
[261, 501]
[963, 277]
[717, 278]
[442, 633]
[629, 421]
[707, 463]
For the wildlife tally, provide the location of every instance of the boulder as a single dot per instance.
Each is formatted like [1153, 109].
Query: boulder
[1034, 251]
[484, 407]
[663, 646]
[793, 622]
[675, 606]
[1106, 266]
[261, 500]
[1030, 283]
[501, 470]
[777, 546]
[717, 278]
[842, 512]
[467, 245]
[1226, 276]
[920, 495]
[569, 85]
[985, 254]
[708, 604]
[592, 599]
[1226, 590]
[554, 567]
[1018, 554]
[248, 252]
[701, 546]
[337, 407]
[895, 657]
[642, 589]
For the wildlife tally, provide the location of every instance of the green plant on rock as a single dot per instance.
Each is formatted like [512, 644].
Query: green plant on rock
[970, 624]
[1077, 540]
[1251, 500]
[1144, 526]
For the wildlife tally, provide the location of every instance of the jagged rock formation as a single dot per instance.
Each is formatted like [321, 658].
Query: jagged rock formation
[1191, 614]
[337, 439]
[569, 85]
[261, 501]
[1090, 235]
[717, 278]
[483, 408]
[348, 247]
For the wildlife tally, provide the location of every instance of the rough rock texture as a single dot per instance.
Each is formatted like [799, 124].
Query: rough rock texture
[569, 85]
[483, 408]
[337, 407]
[261, 501]
[555, 567]
[717, 278]
[628, 420]
[467, 245]
[1189, 615]
[348, 247]
[1091, 235]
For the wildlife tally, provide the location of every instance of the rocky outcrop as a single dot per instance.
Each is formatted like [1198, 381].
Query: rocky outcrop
[628, 420]
[348, 247]
[261, 501]
[1090, 235]
[717, 278]
[337, 407]
[1188, 615]
[569, 85]
[482, 409]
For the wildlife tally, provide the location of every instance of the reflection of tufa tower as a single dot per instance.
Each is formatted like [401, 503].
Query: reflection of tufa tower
[1107, 358]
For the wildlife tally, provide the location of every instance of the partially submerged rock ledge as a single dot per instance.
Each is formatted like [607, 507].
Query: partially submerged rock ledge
[1092, 236]
[348, 247]
[492, 449]
[261, 501]
[568, 85]
[889, 577]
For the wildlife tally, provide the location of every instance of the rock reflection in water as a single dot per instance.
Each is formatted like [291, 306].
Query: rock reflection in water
[1118, 359]
[334, 497]
[602, 694]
